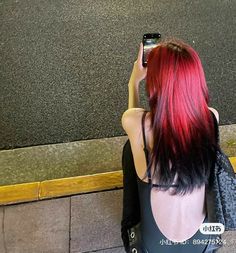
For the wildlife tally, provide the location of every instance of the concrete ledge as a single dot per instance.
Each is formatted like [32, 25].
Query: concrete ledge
[62, 160]
[12, 194]
[48, 171]
[78, 158]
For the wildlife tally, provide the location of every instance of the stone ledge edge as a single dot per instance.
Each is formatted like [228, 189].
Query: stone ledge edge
[27, 192]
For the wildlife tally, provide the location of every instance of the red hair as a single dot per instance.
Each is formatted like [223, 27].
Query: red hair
[182, 124]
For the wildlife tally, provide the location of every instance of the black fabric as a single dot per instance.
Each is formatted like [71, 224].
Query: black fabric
[144, 138]
[135, 240]
[216, 127]
[220, 193]
[131, 207]
[145, 148]
[152, 239]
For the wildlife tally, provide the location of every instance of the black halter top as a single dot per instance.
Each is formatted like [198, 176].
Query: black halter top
[152, 238]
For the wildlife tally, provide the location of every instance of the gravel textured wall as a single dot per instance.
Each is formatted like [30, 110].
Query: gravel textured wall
[65, 63]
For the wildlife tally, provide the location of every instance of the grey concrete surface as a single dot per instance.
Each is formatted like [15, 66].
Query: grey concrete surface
[228, 139]
[95, 221]
[2, 238]
[38, 227]
[77, 158]
[62, 160]
[65, 64]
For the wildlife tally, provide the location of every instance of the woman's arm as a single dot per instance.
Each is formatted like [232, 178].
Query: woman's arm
[137, 75]
[133, 94]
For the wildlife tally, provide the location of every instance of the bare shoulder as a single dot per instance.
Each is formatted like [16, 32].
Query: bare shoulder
[131, 118]
[215, 113]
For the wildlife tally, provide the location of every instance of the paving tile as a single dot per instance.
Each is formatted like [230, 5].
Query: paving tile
[229, 237]
[38, 227]
[95, 221]
[2, 247]
[111, 250]
[230, 242]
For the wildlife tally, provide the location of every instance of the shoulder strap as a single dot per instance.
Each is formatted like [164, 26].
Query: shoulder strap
[147, 157]
[143, 130]
[216, 127]
[145, 146]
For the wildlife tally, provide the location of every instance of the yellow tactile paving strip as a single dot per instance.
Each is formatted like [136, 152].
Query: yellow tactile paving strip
[81, 184]
[11, 194]
[26, 192]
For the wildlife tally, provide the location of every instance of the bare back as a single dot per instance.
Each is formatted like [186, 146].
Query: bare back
[170, 212]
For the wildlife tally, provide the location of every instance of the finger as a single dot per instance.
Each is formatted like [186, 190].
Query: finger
[140, 54]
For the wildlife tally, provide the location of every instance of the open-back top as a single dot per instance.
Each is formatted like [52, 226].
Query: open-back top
[152, 232]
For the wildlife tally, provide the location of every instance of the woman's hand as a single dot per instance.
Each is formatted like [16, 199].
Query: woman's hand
[139, 72]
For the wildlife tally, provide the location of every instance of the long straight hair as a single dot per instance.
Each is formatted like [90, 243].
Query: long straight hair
[183, 127]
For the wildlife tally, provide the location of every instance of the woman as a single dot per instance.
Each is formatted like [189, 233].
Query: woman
[173, 149]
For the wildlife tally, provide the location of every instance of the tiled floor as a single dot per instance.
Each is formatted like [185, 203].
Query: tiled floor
[96, 218]
[77, 224]
[36, 227]
[111, 250]
[83, 223]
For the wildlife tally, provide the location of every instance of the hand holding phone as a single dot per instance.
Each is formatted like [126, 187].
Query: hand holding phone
[150, 41]
[138, 72]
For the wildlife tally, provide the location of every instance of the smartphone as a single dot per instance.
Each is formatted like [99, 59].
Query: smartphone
[150, 40]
